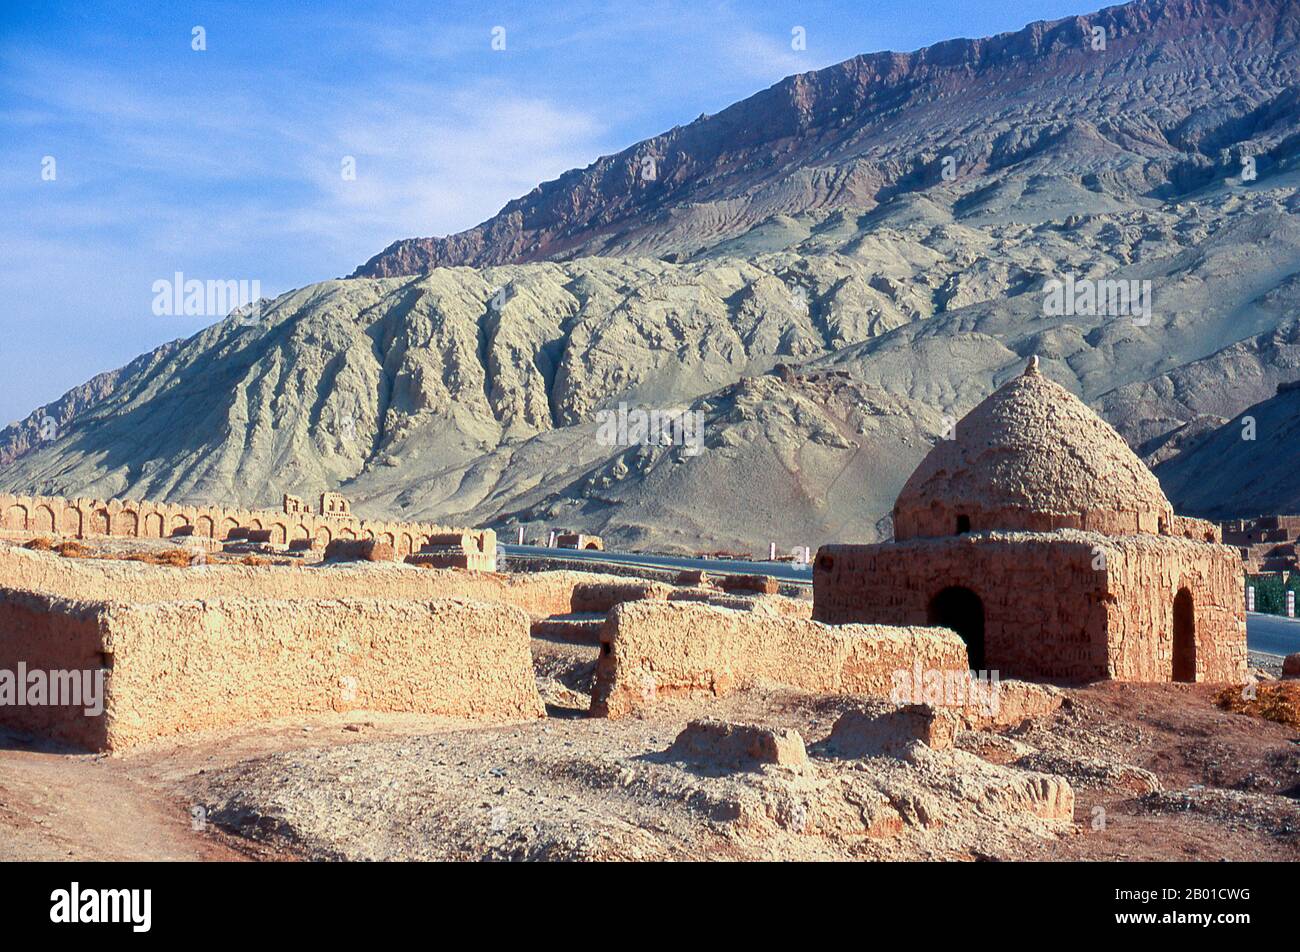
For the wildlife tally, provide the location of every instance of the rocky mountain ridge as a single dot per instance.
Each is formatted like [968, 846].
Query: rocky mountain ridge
[828, 335]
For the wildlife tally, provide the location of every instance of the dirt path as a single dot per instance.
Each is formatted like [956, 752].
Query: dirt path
[56, 806]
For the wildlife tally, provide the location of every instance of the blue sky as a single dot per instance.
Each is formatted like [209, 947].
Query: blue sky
[226, 163]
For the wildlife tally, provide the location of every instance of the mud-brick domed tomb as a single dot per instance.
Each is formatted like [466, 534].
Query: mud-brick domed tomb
[1039, 536]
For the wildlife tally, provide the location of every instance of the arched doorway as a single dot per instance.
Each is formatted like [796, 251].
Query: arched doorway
[1184, 637]
[961, 610]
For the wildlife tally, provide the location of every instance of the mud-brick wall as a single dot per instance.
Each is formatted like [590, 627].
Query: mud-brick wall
[653, 649]
[184, 666]
[24, 516]
[1043, 595]
[545, 593]
[50, 635]
[1144, 578]
[1065, 606]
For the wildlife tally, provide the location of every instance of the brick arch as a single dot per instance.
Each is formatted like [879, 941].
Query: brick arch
[1184, 646]
[962, 610]
[367, 534]
[153, 525]
[16, 517]
[324, 535]
[388, 538]
[99, 521]
[279, 533]
[227, 524]
[301, 532]
[346, 533]
[43, 519]
[407, 545]
[126, 523]
[179, 521]
[204, 526]
[71, 521]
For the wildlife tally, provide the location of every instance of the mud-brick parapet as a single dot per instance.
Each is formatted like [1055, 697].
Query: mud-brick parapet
[173, 667]
[24, 516]
[658, 649]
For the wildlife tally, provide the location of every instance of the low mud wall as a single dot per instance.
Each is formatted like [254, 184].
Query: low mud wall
[175, 667]
[546, 593]
[763, 604]
[655, 649]
[601, 596]
[44, 639]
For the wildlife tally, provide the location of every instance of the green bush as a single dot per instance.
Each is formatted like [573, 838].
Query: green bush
[1270, 592]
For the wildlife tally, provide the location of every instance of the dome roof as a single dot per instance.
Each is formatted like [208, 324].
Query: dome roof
[1032, 457]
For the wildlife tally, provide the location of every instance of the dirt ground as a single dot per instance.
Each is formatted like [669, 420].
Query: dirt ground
[1158, 772]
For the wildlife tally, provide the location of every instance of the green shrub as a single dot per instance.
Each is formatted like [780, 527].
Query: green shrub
[1270, 591]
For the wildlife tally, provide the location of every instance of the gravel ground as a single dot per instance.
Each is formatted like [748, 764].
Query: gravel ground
[1157, 772]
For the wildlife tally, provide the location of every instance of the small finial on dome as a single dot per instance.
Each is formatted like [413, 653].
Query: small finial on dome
[1031, 369]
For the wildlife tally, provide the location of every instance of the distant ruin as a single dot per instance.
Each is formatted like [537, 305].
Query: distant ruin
[292, 526]
[579, 540]
[1266, 543]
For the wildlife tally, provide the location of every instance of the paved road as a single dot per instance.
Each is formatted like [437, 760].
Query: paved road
[1272, 634]
[1268, 633]
[782, 570]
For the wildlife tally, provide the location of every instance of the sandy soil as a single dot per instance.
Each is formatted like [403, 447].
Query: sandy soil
[1159, 772]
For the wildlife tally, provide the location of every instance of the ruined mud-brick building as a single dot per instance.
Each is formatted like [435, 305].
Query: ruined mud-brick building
[294, 526]
[1039, 537]
[579, 540]
[1266, 543]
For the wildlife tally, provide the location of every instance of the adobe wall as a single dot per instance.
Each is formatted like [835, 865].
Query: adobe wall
[1201, 530]
[764, 604]
[191, 665]
[601, 596]
[656, 649]
[1065, 606]
[1143, 584]
[1042, 597]
[939, 520]
[542, 593]
[24, 516]
[52, 634]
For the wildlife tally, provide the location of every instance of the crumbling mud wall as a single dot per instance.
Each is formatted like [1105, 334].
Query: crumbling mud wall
[25, 516]
[1147, 629]
[1066, 606]
[1201, 530]
[540, 594]
[46, 634]
[657, 649]
[1039, 598]
[601, 596]
[763, 604]
[176, 667]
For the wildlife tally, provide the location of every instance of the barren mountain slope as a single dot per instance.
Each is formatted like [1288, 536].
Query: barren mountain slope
[1159, 110]
[1248, 466]
[473, 395]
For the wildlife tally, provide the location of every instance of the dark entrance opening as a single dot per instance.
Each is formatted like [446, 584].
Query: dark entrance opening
[1184, 637]
[963, 525]
[961, 610]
